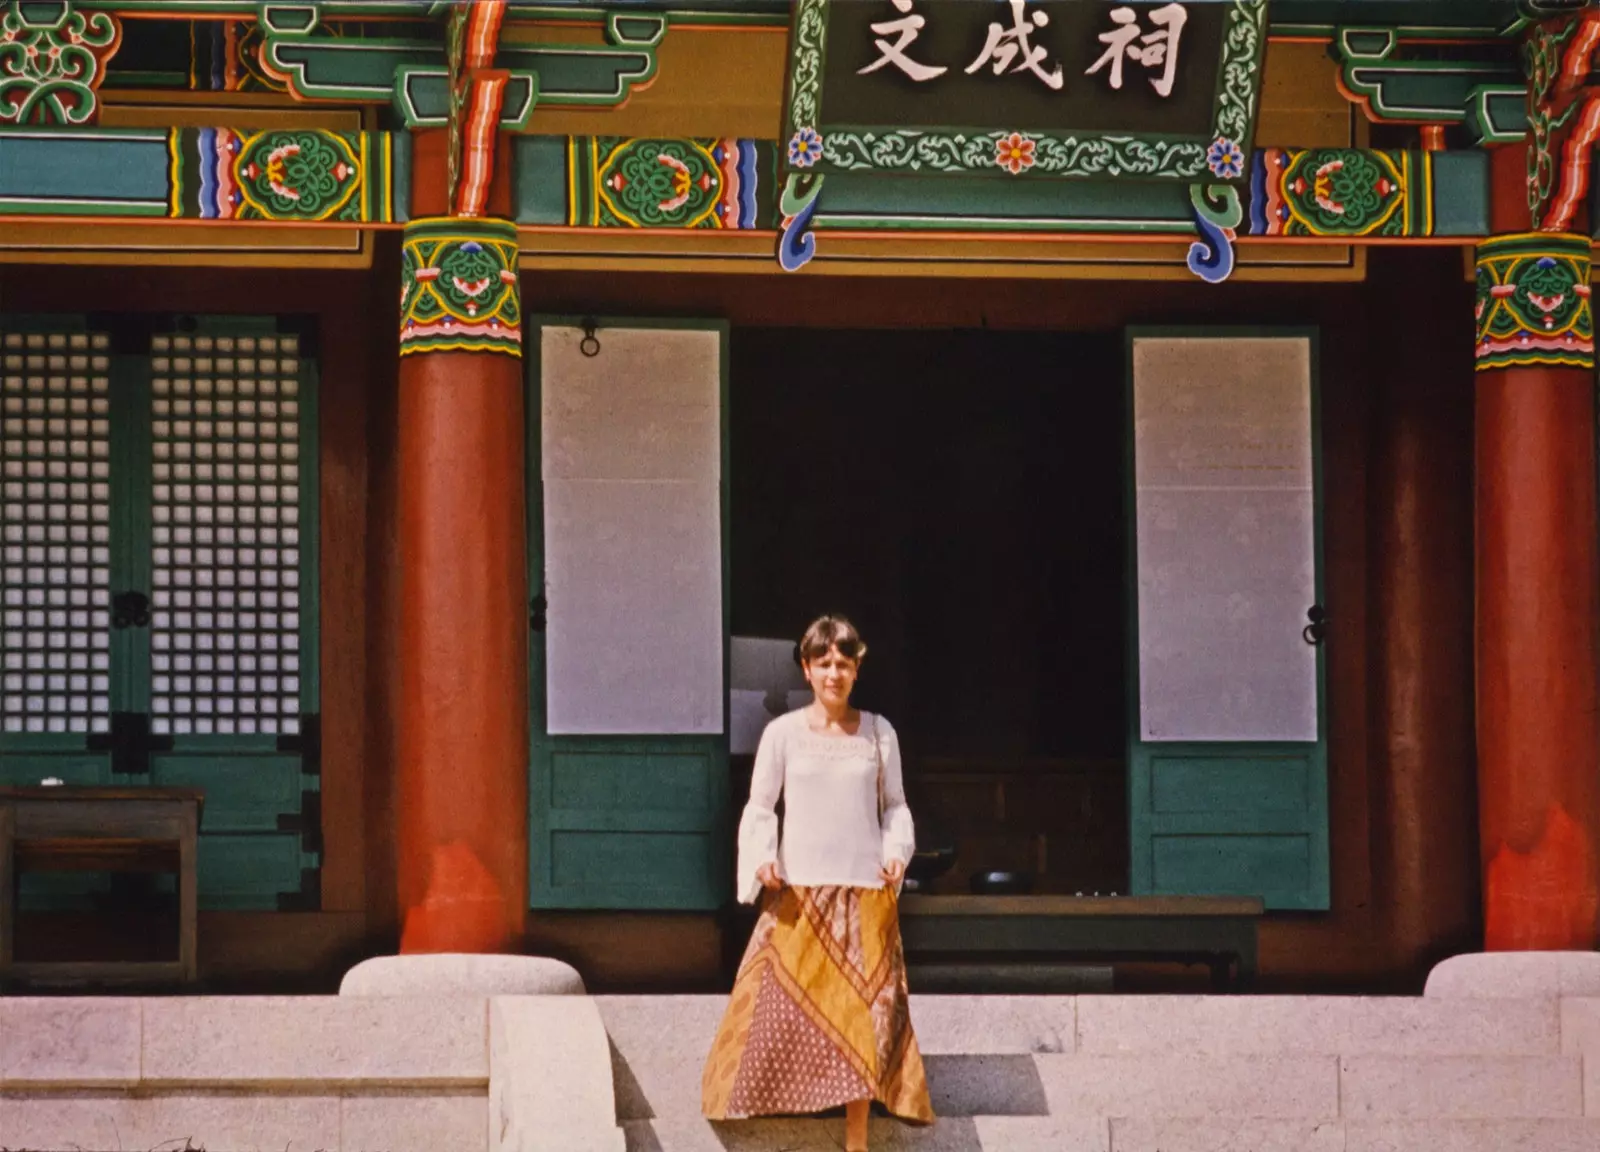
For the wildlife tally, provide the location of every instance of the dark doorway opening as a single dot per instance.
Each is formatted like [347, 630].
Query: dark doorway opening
[960, 495]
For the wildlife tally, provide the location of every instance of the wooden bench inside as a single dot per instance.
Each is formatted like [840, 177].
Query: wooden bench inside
[986, 931]
[69, 829]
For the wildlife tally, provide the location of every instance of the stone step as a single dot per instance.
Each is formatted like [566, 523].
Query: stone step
[1031, 1134]
[980, 1134]
[1189, 1135]
[1302, 1057]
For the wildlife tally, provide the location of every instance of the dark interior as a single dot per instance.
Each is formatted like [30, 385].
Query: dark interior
[960, 495]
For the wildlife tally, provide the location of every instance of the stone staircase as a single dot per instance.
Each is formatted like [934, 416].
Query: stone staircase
[1454, 1072]
[1501, 1055]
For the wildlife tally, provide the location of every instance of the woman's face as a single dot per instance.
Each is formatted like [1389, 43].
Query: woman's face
[832, 677]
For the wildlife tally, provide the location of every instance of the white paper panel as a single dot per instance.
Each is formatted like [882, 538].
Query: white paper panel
[1226, 539]
[645, 408]
[634, 579]
[631, 459]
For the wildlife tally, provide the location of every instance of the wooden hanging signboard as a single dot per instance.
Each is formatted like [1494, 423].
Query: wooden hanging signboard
[1085, 89]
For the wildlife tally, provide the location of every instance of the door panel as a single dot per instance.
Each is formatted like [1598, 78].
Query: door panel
[627, 561]
[229, 671]
[1228, 749]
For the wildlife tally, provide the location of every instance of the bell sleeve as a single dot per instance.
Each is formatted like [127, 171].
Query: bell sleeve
[899, 835]
[758, 827]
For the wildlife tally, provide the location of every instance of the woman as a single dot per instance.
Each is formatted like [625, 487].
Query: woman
[819, 1014]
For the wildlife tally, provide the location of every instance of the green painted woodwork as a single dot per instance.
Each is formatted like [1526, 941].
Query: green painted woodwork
[210, 468]
[621, 822]
[1186, 784]
[1460, 193]
[1498, 113]
[249, 873]
[84, 172]
[202, 173]
[408, 67]
[1477, 18]
[1228, 818]
[243, 794]
[1420, 85]
[979, 204]
[401, 161]
[540, 181]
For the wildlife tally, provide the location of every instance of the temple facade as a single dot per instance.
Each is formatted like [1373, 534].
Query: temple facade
[428, 426]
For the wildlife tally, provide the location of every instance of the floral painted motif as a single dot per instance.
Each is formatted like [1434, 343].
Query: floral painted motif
[1054, 154]
[458, 289]
[1014, 153]
[1534, 302]
[289, 175]
[805, 148]
[1225, 159]
[654, 182]
[1341, 192]
[296, 175]
[661, 183]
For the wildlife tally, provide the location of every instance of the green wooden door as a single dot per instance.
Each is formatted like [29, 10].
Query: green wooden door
[627, 500]
[1228, 740]
[64, 554]
[160, 582]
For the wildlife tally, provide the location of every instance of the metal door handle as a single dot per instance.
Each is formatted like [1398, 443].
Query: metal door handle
[130, 609]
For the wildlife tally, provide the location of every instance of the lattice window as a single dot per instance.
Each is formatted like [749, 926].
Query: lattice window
[55, 582]
[225, 535]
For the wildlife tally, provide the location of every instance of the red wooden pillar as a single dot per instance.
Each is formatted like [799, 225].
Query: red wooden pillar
[461, 774]
[1538, 584]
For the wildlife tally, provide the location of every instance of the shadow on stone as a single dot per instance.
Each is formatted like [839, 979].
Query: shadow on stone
[985, 1086]
[632, 1103]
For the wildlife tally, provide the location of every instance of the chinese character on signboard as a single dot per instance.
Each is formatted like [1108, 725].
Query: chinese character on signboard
[1151, 50]
[1011, 49]
[907, 28]
[1007, 44]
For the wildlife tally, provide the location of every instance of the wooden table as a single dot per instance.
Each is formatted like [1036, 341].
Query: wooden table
[1218, 932]
[64, 829]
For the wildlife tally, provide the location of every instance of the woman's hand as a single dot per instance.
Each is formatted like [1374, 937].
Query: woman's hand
[768, 875]
[892, 873]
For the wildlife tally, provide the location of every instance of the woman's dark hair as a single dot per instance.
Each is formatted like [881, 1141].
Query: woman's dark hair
[827, 632]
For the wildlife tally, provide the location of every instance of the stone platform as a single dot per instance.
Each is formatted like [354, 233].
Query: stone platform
[1502, 1055]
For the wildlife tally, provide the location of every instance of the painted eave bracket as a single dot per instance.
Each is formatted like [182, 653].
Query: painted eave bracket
[412, 74]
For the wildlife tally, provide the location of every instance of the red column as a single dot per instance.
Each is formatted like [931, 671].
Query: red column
[1538, 594]
[461, 775]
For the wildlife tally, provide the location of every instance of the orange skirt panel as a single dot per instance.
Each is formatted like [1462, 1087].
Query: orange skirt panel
[820, 1014]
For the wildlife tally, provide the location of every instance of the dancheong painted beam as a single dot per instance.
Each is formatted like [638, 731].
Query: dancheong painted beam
[623, 182]
[290, 175]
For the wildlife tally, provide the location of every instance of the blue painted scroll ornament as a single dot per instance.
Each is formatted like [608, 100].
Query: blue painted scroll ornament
[798, 204]
[1218, 212]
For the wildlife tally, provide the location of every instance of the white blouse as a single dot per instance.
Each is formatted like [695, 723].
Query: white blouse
[834, 829]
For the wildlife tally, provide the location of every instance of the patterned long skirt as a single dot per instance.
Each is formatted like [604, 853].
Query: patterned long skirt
[819, 1014]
